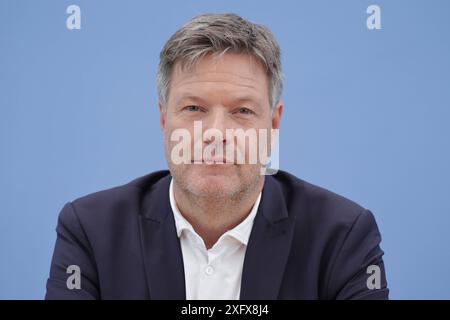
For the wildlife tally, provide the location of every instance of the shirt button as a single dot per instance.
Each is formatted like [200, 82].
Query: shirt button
[209, 270]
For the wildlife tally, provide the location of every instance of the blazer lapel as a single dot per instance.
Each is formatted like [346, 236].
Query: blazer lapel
[269, 245]
[160, 245]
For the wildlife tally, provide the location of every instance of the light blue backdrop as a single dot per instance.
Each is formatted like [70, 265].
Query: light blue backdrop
[366, 115]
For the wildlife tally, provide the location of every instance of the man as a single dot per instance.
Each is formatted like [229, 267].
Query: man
[214, 227]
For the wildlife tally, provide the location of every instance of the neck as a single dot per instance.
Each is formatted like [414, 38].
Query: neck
[213, 216]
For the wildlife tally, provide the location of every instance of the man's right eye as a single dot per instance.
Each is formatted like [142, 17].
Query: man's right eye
[192, 108]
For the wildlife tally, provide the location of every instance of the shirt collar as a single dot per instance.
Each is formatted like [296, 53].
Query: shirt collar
[241, 232]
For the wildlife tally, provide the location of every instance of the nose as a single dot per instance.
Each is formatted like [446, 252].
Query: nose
[216, 120]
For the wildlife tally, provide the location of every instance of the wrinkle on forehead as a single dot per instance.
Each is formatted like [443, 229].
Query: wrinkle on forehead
[235, 69]
[220, 77]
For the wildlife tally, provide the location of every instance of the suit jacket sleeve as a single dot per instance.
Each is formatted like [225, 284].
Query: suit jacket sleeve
[72, 248]
[350, 275]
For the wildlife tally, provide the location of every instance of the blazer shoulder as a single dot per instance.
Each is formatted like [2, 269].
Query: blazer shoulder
[121, 199]
[316, 203]
[341, 232]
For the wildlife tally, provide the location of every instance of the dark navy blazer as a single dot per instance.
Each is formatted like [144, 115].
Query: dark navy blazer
[306, 243]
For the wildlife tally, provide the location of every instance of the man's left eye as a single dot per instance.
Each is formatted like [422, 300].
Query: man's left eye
[244, 110]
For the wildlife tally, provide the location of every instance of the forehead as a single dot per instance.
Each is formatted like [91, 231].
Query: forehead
[228, 74]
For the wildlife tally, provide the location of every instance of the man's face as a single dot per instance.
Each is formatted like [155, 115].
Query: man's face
[230, 92]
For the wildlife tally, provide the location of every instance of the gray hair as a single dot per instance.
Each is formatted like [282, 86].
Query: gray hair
[217, 34]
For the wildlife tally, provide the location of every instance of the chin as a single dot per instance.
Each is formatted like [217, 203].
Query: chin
[214, 185]
[214, 181]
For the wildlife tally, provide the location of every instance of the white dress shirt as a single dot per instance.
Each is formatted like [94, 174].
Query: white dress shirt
[213, 274]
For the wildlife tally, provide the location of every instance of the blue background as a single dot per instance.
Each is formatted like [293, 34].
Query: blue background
[366, 115]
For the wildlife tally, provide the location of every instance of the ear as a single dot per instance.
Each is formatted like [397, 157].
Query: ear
[276, 115]
[162, 115]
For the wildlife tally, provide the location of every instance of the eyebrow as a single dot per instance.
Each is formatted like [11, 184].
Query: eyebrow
[194, 98]
[197, 99]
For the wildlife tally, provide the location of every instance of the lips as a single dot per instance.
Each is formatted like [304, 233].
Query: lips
[213, 160]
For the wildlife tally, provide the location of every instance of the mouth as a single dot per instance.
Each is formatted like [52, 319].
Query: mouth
[213, 161]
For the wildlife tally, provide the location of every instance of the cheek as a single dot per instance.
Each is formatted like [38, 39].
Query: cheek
[255, 145]
[178, 143]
